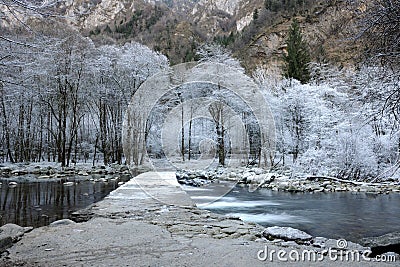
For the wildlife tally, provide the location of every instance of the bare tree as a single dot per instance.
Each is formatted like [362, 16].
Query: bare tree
[380, 23]
[216, 110]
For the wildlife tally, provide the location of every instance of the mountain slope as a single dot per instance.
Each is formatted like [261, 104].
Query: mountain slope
[255, 30]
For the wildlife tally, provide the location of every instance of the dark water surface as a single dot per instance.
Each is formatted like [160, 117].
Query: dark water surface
[333, 215]
[38, 202]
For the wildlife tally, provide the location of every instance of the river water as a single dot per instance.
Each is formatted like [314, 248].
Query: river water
[38, 202]
[334, 215]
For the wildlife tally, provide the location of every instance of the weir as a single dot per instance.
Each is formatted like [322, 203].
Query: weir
[145, 190]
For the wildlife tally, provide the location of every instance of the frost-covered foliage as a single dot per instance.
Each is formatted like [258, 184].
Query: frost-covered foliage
[328, 128]
[63, 99]
[218, 54]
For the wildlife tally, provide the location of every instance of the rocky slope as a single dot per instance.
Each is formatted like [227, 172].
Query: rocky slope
[174, 27]
[177, 27]
[254, 29]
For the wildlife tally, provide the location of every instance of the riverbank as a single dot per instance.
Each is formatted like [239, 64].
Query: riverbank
[151, 221]
[50, 170]
[283, 180]
[280, 180]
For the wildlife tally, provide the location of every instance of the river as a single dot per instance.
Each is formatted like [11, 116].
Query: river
[35, 202]
[347, 215]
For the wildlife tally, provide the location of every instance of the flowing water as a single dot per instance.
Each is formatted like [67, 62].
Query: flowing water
[333, 215]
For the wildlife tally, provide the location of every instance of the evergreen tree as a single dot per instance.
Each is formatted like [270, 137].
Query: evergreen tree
[297, 58]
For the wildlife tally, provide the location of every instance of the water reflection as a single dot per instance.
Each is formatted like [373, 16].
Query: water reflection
[36, 203]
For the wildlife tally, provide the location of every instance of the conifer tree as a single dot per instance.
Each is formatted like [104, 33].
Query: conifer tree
[297, 57]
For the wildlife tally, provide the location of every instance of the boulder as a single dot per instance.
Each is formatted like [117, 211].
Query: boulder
[286, 234]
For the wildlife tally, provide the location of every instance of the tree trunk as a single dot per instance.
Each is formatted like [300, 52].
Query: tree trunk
[182, 136]
[190, 138]
[6, 126]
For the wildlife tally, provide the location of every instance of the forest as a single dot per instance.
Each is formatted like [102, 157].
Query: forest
[63, 99]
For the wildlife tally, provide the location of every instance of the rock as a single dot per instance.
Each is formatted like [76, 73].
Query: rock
[19, 172]
[11, 229]
[258, 171]
[82, 215]
[315, 188]
[242, 231]
[5, 242]
[329, 188]
[283, 185]
[28, 229]
[6, 169]
[286, 233]
[35, 171]
[232, 175]
[62, 222]
[319, 242]
[247, 175]
[382, 244]
[123, 169]
[326, 183]
[229, 230]
[220, 236]
[249, 237]
[292, 188]
[10, 184]
[11, 233]
[202, 174]
[366, 188]
[340, 189]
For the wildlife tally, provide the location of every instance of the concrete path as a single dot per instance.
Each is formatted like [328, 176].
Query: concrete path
[151, 221]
